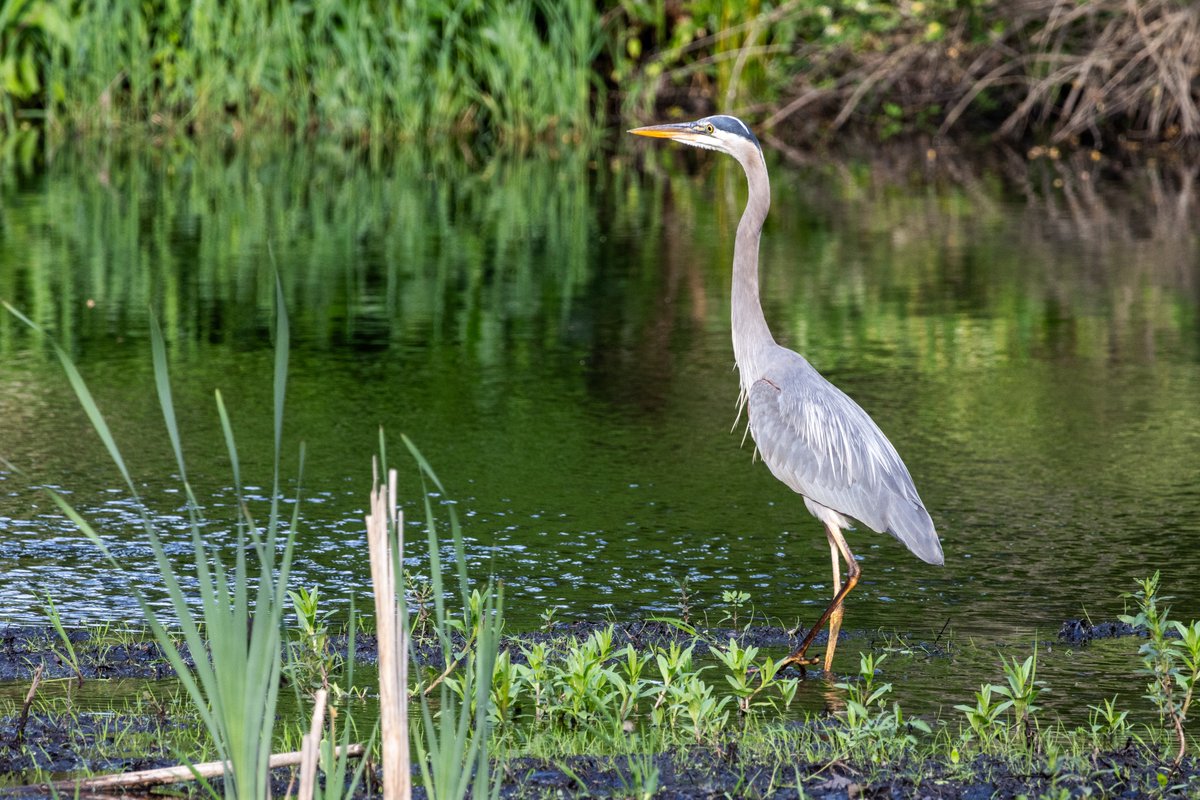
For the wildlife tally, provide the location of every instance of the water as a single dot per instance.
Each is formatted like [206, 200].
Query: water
[554, 335]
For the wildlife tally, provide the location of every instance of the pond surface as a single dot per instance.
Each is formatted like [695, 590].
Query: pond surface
[553, 333]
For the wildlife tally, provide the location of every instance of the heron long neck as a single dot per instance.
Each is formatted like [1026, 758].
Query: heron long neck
[751, 336]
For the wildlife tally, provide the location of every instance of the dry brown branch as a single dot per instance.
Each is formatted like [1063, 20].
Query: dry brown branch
[977, 87]
[887, 72]
[1063, 67]
[1143, 64]
[446, 673]
[23, 717]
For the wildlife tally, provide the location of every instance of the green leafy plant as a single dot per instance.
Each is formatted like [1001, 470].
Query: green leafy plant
[585, 687]
[1173, 665]
[984, 716]
[871, 730]
[535, 675]
[736, 600]
[750, 681]
[695, 702]
[311, 662]
[631, 685]
[1108, 724]
[1022, 689]
[674, 663]
[506, 688]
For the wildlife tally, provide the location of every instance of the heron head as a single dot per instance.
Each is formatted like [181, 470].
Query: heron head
[719, 132]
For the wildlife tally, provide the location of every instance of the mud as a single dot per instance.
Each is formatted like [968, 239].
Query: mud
[56, 743]
[722, 773]
[700, 772]
[22, 649]
[1081, 631]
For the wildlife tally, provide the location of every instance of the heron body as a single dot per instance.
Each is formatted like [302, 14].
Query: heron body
[812, 436]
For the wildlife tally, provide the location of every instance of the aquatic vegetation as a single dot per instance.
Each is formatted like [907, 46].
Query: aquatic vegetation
[871, 731]
[1173, 665]
[312, 661]
[68, 653]
[235, 637]
[749, 678]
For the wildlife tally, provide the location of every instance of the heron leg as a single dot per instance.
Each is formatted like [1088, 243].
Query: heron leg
[835, 616]
[837, 542]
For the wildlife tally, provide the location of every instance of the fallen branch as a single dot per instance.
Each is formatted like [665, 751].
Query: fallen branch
[181, 774]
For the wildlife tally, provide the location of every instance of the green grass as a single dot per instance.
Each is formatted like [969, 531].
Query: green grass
[406, 71]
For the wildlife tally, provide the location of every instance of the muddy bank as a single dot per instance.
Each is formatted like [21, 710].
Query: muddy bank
[722, 771]
[56, 743]
[727, 767]
[23, 648]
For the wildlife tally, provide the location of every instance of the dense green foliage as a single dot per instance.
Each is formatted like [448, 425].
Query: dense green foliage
[352, 68]
[536, 69]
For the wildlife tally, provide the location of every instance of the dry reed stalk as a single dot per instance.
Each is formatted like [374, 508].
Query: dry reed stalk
[310, 748]
[393, 644]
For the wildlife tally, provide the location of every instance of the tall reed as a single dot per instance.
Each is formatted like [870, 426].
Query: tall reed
[234, 639]
[411, 70]
[452, 742]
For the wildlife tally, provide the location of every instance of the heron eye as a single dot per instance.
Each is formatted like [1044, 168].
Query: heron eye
[710, 128]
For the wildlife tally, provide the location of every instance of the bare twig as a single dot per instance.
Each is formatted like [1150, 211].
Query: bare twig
[445, 673]
[23, 718]
[888, 69]
[1069, 66]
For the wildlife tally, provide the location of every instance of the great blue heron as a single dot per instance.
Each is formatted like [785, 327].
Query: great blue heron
[813, 437]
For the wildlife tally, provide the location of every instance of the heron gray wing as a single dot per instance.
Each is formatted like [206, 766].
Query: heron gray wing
[824, 446]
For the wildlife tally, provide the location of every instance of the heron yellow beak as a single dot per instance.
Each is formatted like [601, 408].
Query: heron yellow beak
[680, 131]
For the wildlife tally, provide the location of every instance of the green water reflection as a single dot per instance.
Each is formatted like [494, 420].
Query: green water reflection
[554, 334]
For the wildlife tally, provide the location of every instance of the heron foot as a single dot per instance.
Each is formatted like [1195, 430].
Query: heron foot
[799, 661]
